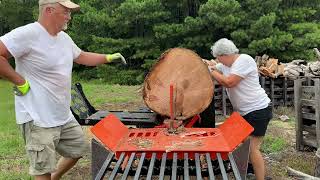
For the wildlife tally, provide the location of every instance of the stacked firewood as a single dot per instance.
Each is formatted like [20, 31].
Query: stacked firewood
[272, 68]
[269, 66]
[298, 68]
[295, 69]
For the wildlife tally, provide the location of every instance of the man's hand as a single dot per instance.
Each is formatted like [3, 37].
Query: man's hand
[22, 89]
[116, 57]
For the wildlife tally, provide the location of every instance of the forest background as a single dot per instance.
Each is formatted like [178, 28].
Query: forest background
[143, 29]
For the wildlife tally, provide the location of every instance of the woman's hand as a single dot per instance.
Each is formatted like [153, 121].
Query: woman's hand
[209, 62]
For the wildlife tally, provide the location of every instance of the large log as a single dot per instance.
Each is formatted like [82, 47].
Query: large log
[191, 80]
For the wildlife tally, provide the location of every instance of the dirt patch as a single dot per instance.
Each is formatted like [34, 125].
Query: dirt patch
[277, 162]
[82, 171]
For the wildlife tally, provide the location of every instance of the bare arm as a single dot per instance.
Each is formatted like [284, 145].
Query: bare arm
[226, 81]
[6, 70]
[91, 59]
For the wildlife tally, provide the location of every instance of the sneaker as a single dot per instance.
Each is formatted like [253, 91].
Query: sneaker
[250, 169]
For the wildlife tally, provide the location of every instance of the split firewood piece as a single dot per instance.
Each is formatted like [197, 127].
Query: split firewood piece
[192, 84]
[280, 69]
[272, 65]
[266, 72]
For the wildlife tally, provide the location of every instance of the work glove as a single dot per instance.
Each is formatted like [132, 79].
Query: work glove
[211, 68]
[209, 62]
[22, 89]
[116, 57]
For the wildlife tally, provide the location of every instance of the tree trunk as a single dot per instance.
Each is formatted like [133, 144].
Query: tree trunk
[192, 84]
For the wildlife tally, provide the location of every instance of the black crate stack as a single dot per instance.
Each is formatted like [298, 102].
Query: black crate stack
[280, 90]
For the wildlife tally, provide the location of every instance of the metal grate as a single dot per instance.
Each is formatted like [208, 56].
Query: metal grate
[174, 168]
[137, 166]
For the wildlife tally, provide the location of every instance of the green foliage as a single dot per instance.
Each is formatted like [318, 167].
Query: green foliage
[263, 27]
[14, 13]
[110, 74]
[220, 14]
[142, 29]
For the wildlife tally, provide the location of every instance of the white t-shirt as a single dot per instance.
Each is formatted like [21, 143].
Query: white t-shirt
[248, 95]
[46, 62]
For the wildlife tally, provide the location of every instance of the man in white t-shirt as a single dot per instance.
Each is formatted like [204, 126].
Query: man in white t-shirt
[239, 74]
[44, 56]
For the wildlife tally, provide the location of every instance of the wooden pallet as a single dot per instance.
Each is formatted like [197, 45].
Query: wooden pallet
[307, 108]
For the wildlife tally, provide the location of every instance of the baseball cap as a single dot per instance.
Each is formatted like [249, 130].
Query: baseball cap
[66, 3]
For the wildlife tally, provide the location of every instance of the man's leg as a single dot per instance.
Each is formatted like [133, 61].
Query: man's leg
[63, 166]
[43, 177]
[256, 157]
[72, 146]
[40, 148]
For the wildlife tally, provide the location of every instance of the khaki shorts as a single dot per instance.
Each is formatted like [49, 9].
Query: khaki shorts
[43, 143]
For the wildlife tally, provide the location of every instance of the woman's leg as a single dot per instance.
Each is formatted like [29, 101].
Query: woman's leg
[256, 157]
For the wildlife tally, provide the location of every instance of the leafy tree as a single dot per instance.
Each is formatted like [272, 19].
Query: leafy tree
[14, 13]
[142, 29]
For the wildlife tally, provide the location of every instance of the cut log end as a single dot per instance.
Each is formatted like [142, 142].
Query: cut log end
[191, 80]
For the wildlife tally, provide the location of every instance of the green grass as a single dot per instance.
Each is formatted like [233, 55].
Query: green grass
[99, 94]
[13, 163]
[273, 144]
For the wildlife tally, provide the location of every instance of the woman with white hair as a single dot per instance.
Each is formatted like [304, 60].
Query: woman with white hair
[239, 74]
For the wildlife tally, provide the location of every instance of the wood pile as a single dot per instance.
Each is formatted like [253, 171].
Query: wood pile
[295, 69]
[270, 67]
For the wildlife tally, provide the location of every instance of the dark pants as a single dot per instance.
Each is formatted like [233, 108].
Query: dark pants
[259, 120]
[207, 117]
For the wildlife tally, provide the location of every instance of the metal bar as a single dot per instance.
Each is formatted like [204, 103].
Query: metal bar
[174, 166]
[198, 167]
[163, 166]
[104, 167]
[221, 165]
[210, 168]
[150, 171]
[186, 167]
[234, 167]
[171, 121]
[126, 171]
[136, 176]
[171, 103]
[116, 167]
